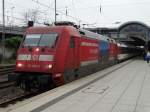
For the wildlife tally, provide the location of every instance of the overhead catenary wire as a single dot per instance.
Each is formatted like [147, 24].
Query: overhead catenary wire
[22, 19]
[54, 9]
[44, 12]
[63, 13]
[125, 4]
[76, 17]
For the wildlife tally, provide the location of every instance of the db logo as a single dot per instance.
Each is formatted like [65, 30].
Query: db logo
[35, 57]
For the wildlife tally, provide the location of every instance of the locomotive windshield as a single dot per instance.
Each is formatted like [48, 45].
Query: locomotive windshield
[47, 40]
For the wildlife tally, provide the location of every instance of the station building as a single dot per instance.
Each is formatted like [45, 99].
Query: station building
[133, 32]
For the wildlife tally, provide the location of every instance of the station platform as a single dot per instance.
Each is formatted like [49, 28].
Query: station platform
[124, 87]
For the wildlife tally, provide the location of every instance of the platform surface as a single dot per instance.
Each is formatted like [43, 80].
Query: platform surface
[126, 89]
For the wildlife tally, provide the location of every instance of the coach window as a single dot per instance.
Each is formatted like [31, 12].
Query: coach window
[72, 42]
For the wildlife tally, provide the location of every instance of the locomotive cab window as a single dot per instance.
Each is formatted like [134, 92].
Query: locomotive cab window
[48, 40]
[45, 40]
[31, 40]
[72, 42]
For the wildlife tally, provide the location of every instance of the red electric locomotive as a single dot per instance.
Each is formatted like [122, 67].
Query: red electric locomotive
[54, 55]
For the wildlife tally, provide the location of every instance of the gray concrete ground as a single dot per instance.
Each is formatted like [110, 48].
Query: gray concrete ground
[125, 90]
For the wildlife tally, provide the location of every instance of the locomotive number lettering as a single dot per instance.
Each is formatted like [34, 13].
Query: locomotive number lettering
[35, 57]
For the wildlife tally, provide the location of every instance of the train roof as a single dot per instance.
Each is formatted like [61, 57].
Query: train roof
[93, 35]
[82, 32]
[46, 29]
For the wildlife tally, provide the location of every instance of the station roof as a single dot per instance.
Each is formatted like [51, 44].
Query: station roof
[132, 32]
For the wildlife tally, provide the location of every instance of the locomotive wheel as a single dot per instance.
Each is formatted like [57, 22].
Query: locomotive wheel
[25, 85]
[76, 72]
[22, 85]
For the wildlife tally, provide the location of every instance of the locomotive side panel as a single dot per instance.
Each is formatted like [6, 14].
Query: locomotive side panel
[67, 55]
[89, 52]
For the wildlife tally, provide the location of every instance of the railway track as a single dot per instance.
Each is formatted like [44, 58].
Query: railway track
[8, 92]
[15, 94]
[6, 69]
[6, 84]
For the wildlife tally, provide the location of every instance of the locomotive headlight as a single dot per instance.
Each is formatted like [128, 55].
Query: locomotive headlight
[37, 49]
[19, 65]
[49, 66]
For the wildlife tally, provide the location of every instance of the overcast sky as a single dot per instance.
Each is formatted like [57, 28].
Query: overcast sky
[113, 12]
